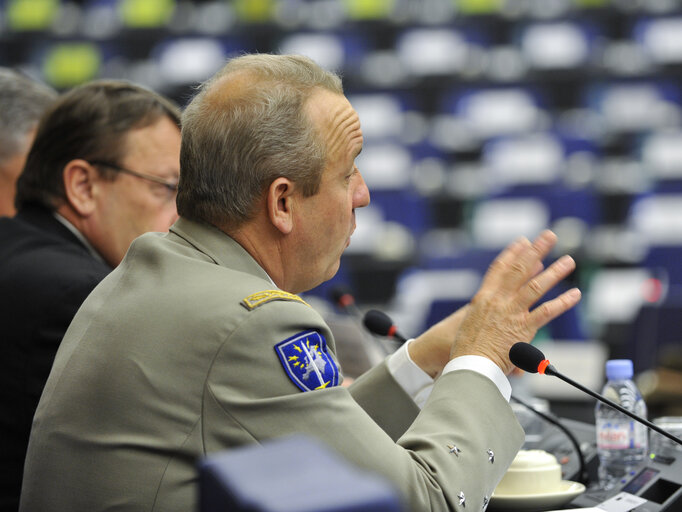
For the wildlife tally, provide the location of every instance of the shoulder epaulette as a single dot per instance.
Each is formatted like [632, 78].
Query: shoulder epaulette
[259, 298]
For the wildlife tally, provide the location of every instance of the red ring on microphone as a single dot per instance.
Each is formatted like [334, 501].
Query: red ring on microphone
[543, 366]
[346, 300]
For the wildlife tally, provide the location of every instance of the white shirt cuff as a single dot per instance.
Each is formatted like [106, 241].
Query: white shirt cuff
[485, 367]
[415, 381]
[418, 384]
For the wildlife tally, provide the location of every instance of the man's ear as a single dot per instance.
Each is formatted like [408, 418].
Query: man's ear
[280, 203]
[80, 178]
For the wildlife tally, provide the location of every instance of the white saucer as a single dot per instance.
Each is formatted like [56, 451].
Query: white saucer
[527, 502]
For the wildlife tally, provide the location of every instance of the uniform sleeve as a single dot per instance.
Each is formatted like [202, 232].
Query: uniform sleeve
[451, 453]
[385, 400]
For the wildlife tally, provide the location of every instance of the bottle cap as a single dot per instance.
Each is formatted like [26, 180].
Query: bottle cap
[619, 369]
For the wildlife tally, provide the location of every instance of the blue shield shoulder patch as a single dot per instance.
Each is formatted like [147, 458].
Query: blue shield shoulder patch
[307, 362]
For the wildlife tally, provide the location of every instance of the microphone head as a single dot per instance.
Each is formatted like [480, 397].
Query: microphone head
[378, 322]
[342, 296]
[528, 358]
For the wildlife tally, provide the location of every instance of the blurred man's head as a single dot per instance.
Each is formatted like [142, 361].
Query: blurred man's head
[106, 157]
[22, 102]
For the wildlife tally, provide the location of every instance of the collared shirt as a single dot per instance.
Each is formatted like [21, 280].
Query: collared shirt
[80, 237]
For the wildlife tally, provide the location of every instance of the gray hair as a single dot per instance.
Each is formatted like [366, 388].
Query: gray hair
[22, 103]
[236, 142]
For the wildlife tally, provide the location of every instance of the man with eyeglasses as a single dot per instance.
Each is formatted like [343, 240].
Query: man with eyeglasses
[103, 169]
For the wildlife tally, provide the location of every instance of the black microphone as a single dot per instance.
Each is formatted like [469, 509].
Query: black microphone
[343, 298]
[378, 322]
[532, 360]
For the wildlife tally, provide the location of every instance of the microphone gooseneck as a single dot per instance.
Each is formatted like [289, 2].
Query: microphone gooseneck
[582, 473]
[530, 359]
[378, 322]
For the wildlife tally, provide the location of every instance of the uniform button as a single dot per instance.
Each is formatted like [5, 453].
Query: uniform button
[453, 449]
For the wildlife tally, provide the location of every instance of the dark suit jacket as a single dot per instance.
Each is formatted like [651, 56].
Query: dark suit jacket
[45, 274]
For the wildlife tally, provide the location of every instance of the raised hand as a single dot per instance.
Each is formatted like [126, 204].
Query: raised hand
[500, 313]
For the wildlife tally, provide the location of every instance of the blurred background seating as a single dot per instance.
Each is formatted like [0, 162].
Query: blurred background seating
[483, 120]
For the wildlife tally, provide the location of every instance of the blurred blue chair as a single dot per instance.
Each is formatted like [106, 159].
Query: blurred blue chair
[535, 159]
[561, 202]
[634, 106]
[655, 333]
[427, 52]
[537, 166]
[660, 39]
[382, 113]
[295, 474]
[341, 51]
[660, 154]
[488, 112]
[404, 207]
[190, 60]
[556, 45]
[498, 221]
[426, 296]
[657, 220]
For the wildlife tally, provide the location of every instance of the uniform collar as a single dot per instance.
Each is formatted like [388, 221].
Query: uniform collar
[218, 246]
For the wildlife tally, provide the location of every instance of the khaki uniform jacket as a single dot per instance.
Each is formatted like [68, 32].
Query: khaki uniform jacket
[165, 363]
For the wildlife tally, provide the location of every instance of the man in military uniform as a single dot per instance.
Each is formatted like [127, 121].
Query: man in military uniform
[198, 342]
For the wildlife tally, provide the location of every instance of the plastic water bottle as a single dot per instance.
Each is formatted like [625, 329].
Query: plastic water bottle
[622, 443]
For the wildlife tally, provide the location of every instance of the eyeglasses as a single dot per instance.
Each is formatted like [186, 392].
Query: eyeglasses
[170, 185]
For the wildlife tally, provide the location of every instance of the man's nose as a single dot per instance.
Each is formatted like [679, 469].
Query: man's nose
[361, 194]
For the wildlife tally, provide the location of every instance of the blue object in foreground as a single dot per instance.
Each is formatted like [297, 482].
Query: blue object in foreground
[293, 474]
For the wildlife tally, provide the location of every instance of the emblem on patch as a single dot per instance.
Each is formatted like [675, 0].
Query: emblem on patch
[307, 362]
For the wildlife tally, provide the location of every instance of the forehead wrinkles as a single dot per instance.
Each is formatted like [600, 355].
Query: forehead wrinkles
[336, 121]
[346, 133]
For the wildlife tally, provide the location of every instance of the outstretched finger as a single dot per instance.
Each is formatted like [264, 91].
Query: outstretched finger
[515, 266]
[503, 260]
[543, 282]
[551, 309]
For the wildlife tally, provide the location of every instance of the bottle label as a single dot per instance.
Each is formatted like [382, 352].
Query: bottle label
[620, 434]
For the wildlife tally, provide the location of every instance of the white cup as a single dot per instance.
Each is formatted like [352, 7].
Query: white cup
[531, 472]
